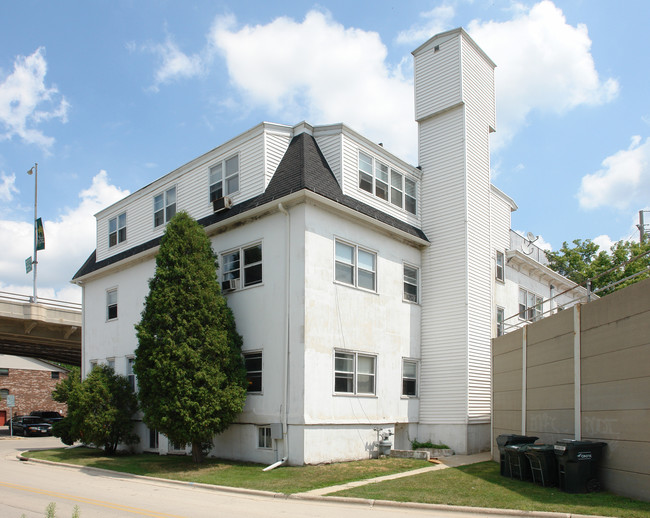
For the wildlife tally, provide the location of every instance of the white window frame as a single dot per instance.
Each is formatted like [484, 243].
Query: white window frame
[238, 270]
[264, 438]
[117, 230]
[164, 204]
[409, 281]
[531, 307]
[357, 375]
[130, 360]
[253, 355]
[221, 174]
[386, 183]
[355, 266]
[111, 304]
[410, 378]
[500, 320]
[500, 266]
[110, 362]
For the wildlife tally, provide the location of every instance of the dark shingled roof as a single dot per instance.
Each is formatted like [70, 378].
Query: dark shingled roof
[303, 167]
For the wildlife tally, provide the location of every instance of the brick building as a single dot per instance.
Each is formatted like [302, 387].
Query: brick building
[31, 381]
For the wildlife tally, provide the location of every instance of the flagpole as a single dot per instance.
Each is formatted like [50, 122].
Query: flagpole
[35, 262]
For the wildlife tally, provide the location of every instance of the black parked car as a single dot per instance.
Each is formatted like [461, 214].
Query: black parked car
[47, 416]
[30, 425]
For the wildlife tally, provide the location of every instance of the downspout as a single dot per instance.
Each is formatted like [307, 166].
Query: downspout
[285, 397]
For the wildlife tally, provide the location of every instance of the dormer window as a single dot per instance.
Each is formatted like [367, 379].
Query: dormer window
[164, 207]
[117, 230]
[224, 178]
[386, 183]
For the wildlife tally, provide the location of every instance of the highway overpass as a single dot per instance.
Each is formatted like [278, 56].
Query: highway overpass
[49, 330]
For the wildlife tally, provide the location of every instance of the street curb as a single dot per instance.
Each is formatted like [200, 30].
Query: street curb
[317, 498]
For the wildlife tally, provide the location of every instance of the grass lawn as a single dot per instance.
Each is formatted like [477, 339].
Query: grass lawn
[481, 485]
[477, 485]
[234, 474]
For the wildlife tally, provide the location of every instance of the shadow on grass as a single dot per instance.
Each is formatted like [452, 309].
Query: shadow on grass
[481, 485]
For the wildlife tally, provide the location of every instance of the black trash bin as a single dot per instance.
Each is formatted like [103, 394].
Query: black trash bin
[504, 440]
[518, 464]
[543, 464]
[578, 465]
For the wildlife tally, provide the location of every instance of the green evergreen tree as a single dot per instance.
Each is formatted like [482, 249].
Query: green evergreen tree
[191, 376]
[584, 261]
[99, 409]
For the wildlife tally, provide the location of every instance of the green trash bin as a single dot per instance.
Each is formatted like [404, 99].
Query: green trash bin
[504, 440]
[543, 464]
[518, 463]
[578, 463]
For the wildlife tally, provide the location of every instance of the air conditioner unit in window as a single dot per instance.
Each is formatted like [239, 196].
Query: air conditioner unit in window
[220, 204]
[230, 285]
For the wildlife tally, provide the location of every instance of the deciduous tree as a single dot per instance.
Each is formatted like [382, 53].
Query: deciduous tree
[99, 409]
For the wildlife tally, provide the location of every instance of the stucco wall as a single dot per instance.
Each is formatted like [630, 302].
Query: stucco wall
[612, 401]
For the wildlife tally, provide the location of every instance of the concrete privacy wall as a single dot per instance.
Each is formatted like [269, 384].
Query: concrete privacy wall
[540, 390]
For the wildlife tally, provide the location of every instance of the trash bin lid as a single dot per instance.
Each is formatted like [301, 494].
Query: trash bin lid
[510, 438]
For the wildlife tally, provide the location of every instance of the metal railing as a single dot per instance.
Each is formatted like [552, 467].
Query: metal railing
[538, 312]
[48, 303]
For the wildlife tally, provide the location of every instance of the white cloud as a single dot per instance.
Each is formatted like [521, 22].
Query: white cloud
[7, 187]
[320, 71]
[623, 181]
[174, 64]
[25, 101]
[543, 65]
[68, 242]
[604, 242]
[435, 21]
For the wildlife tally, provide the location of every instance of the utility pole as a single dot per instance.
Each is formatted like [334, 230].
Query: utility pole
[641, 226]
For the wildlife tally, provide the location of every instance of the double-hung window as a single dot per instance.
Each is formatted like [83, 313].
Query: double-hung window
[164, 207]
[111, 304]
[130, 375]
[499, 266]
[386, 183]
[530, 305]
[411, 274]
[409, 378]
[355, 266]
[224, 178]
[117, 230]
[264, 439]
[253, 364]
[242, 267]
[354, 373]
[500, 321]
[396, 188]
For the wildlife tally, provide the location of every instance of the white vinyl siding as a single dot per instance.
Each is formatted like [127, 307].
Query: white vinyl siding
[330, 146]
[192, 185]
[351, 146]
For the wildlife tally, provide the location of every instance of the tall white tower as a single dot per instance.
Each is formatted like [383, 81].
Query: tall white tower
[455, 111]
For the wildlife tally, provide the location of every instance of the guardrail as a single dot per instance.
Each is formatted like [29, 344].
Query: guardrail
[48, 303]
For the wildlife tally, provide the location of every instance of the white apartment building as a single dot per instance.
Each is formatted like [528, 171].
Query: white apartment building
[366, 289]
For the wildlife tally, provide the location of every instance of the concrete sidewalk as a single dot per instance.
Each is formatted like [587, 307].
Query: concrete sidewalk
[446, 462]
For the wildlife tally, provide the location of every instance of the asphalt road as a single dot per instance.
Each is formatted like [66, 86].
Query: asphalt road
[26, 489]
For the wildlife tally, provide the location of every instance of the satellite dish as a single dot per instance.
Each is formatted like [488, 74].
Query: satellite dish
[528, 240]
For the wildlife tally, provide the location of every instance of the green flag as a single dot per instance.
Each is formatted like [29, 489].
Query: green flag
[40, 235]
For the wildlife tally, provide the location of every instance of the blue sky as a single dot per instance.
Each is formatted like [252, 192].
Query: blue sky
[108, 96]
